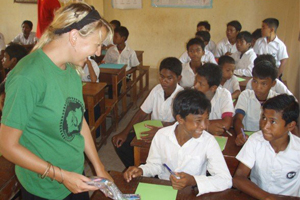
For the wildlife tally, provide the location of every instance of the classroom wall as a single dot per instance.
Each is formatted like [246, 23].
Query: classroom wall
[162, 32]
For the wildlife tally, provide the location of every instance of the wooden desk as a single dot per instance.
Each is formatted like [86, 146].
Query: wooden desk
[243, 84]
[139, 55]
[186, 194]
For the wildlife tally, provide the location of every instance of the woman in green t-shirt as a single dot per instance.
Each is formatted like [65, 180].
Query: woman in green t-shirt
[43, 130]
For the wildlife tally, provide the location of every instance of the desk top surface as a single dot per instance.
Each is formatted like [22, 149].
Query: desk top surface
[91, 89]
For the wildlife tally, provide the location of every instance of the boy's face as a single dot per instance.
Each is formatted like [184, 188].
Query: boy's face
[26, 29]
[118, 39]
[202, 28]
[168, 80]
[273, 126]
[261, 87]
[231, 32]
[194, 124]
[7, 63]
[266, 31]
[202, 86]
[227, 70]
[242, 46]
[195, 52]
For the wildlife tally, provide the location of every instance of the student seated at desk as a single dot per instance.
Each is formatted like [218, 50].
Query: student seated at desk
[107, 43]
[187, 149]
[248, 107]
[208, 80]
[229, 81]
[245, 55]
[272, 155]
[91, 71]
[158, 103]
[205, 26]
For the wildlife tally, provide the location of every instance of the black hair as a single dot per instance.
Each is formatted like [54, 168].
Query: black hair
[267, 57]
[190, 101]
[29, 23]
[245, 35]
[225, 59]
[205, 24]
[285, 104]
[272, 23]
[172, 64]
[212, 73]
[257, 34]
[122, 31]
[236, 24]
[204, 35]
[264, 69]
[197, 41]
[117, 23]
[16, 51]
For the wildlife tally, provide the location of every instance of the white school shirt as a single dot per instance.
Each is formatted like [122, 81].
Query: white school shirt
[276, 173]
[279, 87]
[208, 57]
[20, 39]
[156, 104]
[127, 56]
[232, 84]
[244, 65]
[221, 103]
[2, 42]
[248, 102]
[195, 157]
[276, 48]
[211, 46]
[86, 76]
[187, 76]
[223, 47]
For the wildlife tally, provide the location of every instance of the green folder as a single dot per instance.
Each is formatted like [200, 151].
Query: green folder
[83, 84]
[156, 192]
[240, 79]
[249, 132]
[111, 66]
[140, 127]
[222, 141]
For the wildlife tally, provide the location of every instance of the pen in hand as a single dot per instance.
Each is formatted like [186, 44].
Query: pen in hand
[171, 172]
[227, 131]
[243, 132]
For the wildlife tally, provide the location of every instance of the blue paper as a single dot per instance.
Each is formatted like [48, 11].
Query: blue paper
[111, 66]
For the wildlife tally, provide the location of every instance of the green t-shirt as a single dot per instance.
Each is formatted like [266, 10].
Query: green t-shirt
[46, 103]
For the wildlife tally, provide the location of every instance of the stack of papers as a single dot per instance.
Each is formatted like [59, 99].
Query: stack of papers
[140, 127]
[156, 192]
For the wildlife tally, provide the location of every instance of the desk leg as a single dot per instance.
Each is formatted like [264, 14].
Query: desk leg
[115, 98]
[125, 95]
[137, 156]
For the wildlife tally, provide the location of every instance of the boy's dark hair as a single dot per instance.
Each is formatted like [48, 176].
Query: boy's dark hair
[245, 35]
[272, 23]
[122, 31]
[212, 73]
[204, 35]
[205, 24]
[196, 41]
[190, 101]
[285, 104]
[172, 64]
[236, 24]
[225, 59]
[264, 69]
[16, 51]
[267, 57]
[29, 23]
[257, 34]
[117, 23]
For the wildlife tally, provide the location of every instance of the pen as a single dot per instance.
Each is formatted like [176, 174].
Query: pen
[243, 133]
[166, 166]
[227, 131]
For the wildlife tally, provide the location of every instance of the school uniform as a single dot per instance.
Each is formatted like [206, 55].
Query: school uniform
[276, 173]
[211, 46]
[20, 39]
[223, 47]
[221, 104]
[187, 76]
[245, 63]
[276, 48]
[232, 84]
[208, 57]
[195, 157]
[86, 73]
[249, 106]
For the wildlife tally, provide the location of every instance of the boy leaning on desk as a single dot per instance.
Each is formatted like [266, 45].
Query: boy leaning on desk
[187, 149]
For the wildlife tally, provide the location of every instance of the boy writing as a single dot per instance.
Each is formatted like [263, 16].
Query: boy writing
[229, 81]
[208, 81]
[158, 104]
[205, 26]
[248, 107]
[187, 149]
[271, 155]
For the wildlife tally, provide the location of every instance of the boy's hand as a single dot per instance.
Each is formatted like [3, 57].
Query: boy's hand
[132, 172]
[216, 129]
[240, 140]
[148, 135]
[185, 180]
[277, 197]
[119, 139]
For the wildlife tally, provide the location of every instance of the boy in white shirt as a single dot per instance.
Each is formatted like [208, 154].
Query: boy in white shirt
[91, 71]
[107, 43]
[272, 155]
[205, 26]
[271, 44]
[187, 149]
[229, 81]
[245, 55]
[208, 81]
[158, 104]
[227, 45]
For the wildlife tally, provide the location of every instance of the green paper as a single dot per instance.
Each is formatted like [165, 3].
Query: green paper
[156, 192]
[111, 66]
[140, 127]
[249, 132]
[240, 79]
[83, 84]
[233, 100]
[222, 141]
